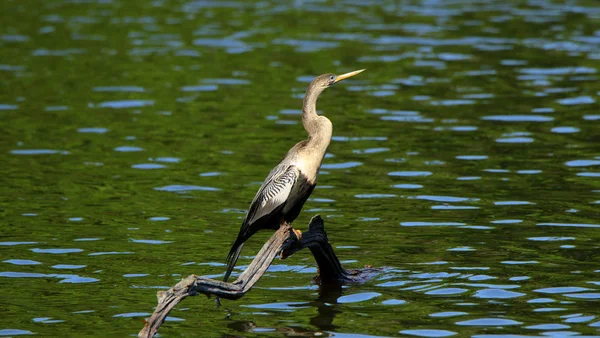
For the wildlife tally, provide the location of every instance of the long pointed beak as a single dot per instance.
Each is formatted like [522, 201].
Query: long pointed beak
[347, 75]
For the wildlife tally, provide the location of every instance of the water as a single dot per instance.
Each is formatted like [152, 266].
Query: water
[465, 160]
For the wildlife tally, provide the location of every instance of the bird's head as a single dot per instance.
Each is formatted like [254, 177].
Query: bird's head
[328, 80]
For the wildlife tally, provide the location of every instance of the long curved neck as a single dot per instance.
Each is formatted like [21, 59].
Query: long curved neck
[309, 109]
[319, 128]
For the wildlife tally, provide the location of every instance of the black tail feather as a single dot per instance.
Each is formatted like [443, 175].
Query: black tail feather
[234, 254]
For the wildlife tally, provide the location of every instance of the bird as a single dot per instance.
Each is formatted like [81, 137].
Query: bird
[288, 185]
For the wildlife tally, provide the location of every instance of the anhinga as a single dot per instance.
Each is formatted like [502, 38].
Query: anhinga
[283, 193]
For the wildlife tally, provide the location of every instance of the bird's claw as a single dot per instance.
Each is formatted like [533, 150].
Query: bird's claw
[298, 233]
[289, 243]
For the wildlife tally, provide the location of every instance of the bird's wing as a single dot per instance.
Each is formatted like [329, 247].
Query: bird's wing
[272, 194]
[275, 190]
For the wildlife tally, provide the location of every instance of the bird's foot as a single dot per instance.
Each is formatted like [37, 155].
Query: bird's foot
[290, 242]
[298, 233]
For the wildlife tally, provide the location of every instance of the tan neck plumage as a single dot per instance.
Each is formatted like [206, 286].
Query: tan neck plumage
[319, 130]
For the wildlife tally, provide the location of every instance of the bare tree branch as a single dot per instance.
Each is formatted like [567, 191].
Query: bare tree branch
[283, 240]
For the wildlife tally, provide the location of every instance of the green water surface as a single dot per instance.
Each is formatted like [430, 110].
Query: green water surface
[466, 160]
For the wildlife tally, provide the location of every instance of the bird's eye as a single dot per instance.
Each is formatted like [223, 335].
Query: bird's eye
[331, 78]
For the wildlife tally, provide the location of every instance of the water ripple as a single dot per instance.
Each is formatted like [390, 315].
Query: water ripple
[200, 88]
[588, 174]
[550, 239]
[410, 173]
[462, 249]
[515, 140]
[565, 130]
[127, 89]
[562, 289]
[549, 326]
[65, 278]
[450, 199]
[518, 118]
[95, 130]
[304, 46]
[14, 332]
[103, 253]
[38, 152]
[282, 306]
[11, 68]
[472, 157]
[405, 118]
[148, 166]
[458, 207]
[446, 291]
[68, 266]
[583, 295]
[428, 333]
[56, 250]
[166, 159]
[407, 186]
[429, 224]
[489, 322]
[370, 150]
[231, 46]
[497, 294]
[394, 302]
[519, 262]
[577, 318]
[572, 101]
[132, 315]
[226, 81]
[124, 104]
[21, 262]
[185, 188]
[149, 241]
[558, 70]
[16, 243]
[8, 107]
[452, 102]
[512, 203]
[447, 314]
[158, 219]
[358, 297]
[344, 165]
[576, 225]
[128, 149]
[374, 195]
[541, 301]
[582, 163]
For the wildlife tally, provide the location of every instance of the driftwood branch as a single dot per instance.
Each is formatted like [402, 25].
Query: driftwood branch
[330, 269]
[283, 241]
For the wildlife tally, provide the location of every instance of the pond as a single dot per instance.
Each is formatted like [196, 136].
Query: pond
[464, 160]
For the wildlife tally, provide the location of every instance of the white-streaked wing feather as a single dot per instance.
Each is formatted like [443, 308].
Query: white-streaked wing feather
[275, 191]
